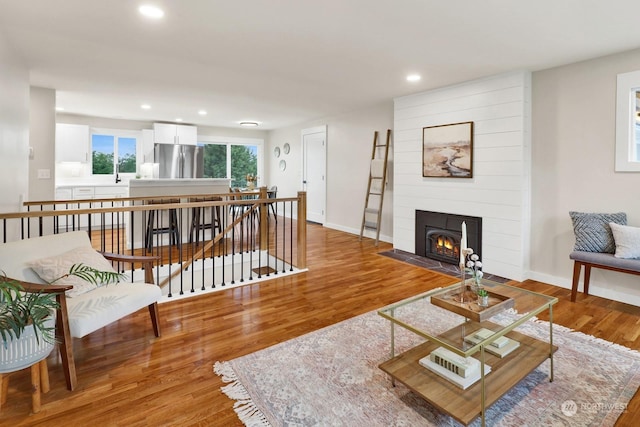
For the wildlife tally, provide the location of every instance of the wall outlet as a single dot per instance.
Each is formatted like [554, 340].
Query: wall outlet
[44, 173]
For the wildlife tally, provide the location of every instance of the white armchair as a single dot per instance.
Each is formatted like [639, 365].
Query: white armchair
[85, 313]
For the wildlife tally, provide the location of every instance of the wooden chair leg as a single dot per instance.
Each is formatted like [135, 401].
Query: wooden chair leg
[576, 277]
[587, 277]
[63, 334]
[35, 387]
[155, 318]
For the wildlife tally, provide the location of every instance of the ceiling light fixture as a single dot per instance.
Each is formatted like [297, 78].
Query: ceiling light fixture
[413, 77]
[249, 124]
[59, 108]
[179, 119]
[202, 112]
[151, 11]
[145, 106]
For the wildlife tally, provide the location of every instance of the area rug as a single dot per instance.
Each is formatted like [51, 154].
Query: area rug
[330, 377]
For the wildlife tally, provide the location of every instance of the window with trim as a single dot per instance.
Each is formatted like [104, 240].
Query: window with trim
[111, 149]
[231, 160]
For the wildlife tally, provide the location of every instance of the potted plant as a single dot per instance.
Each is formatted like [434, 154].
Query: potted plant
[26, 320]
[483, 298]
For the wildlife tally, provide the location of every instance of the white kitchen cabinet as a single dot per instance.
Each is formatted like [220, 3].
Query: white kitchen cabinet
[187, 135]
[72, 143]
[167, 133]
[64, 193]
[80, 193]
[83, 192]
[147, 145]
[111, 192]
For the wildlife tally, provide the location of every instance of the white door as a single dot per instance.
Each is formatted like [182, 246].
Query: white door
[314, 157]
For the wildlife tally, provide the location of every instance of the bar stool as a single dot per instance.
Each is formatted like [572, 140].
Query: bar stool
[173, 228]
[198, 213]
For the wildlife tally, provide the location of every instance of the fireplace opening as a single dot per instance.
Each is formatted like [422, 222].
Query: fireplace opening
[445, 245]
[438, 235]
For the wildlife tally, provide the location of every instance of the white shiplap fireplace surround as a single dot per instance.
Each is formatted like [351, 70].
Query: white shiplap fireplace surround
[499, 192]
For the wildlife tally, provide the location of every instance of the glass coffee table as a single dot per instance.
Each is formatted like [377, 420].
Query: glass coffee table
[503, 356]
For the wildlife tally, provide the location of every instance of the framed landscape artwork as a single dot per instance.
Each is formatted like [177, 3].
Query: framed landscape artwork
[447, 151]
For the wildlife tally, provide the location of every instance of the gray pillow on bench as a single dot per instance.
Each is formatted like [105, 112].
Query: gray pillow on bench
[592, 231]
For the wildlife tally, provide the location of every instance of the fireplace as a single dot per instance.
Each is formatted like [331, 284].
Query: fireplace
[438, 235]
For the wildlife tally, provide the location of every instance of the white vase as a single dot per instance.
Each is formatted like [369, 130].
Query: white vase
[20, 353]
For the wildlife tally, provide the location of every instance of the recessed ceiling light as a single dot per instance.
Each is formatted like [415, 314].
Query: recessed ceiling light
[202, 112]
[179, 119]
[413, 77]
[59, 108]
[249, 124]
[151, 11]
[145, 106]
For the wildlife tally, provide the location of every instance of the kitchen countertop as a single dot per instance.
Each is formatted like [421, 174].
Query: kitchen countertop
[171, 182]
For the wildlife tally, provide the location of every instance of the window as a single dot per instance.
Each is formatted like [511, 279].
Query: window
[627, 109]
[111, 148]
[235, 158]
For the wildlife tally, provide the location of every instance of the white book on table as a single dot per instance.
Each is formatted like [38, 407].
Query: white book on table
[501, 352]
[457, 380]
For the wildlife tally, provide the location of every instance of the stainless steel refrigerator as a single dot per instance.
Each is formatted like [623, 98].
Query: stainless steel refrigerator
[179, 161]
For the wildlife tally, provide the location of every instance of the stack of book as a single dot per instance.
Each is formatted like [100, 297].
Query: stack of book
[499, 347]
[461, 371]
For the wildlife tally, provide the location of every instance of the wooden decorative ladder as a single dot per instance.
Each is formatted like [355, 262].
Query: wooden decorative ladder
[377, 182]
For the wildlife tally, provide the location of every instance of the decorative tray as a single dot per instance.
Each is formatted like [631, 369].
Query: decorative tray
[469, 308]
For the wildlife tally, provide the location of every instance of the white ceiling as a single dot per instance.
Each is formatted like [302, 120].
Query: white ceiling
[282, 62]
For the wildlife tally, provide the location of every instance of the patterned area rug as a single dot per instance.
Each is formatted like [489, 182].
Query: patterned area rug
[330, 377]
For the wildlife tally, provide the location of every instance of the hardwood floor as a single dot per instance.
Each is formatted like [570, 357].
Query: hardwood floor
[127, 377]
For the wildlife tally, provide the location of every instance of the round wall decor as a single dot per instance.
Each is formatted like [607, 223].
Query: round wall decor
[286, 148]
[283, 165]
[276, 152]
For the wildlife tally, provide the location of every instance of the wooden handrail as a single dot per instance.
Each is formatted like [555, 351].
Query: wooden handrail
[257, 200]
[136, 208]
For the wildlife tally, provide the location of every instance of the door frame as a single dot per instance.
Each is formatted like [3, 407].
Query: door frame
[309, 131]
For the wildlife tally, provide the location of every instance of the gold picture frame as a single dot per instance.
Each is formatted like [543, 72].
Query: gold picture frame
[447, 151]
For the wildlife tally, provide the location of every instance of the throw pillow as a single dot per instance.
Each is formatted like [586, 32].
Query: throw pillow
[51, 268]
[592, 231]
[627, 240]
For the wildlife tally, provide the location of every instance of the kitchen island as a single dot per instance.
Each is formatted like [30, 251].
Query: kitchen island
[177, 187]
[173, 226]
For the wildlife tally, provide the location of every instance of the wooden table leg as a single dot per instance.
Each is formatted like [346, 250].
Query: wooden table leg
[35, 387]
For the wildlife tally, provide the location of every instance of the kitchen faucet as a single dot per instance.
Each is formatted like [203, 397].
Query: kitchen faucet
[117, 176]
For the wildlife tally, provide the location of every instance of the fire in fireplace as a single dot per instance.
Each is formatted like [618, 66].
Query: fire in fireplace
[438, 235]
[443, 243]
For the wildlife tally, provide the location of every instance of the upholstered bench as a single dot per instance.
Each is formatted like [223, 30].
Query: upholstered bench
[603, 240]
[598, 260]
[84, 307]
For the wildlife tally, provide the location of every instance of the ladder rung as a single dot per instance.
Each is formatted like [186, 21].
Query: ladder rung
[371, 210]
[371, 225]
[375, 194]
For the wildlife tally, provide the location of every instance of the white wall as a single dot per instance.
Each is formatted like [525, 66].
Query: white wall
[42, 126]
[573, 167]
[14, 129]
[349, 144]
[499, 106]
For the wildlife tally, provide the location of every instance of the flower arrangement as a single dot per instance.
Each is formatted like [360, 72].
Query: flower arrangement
[251, 180]
[474, 266]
